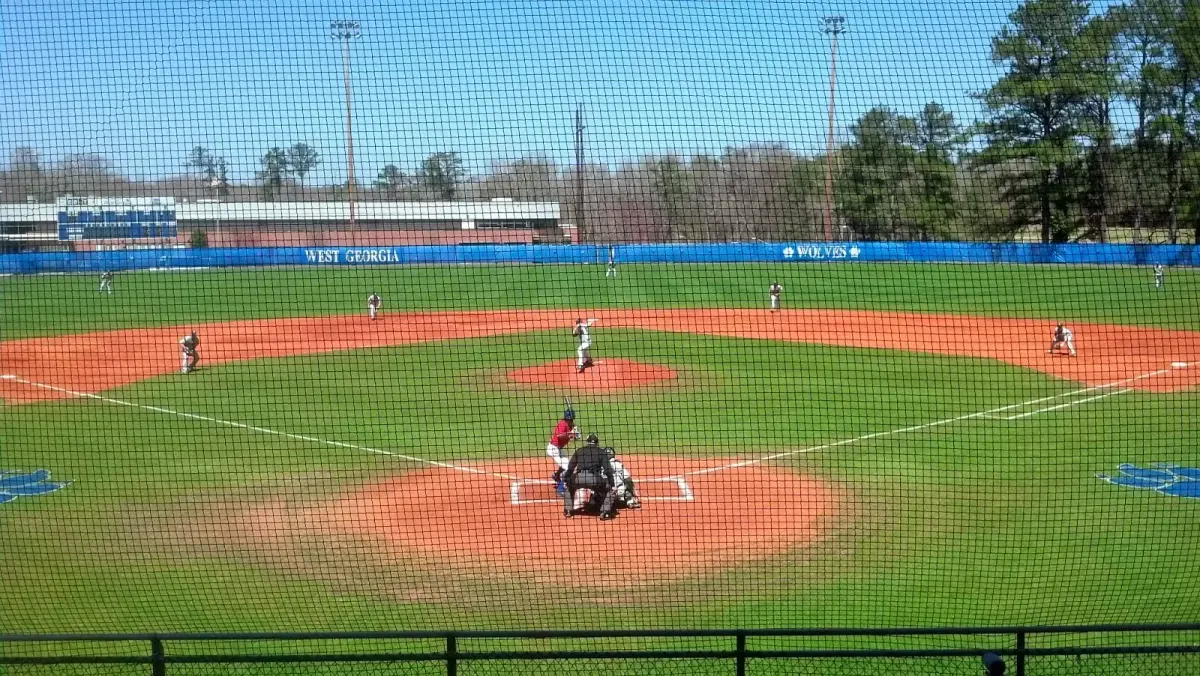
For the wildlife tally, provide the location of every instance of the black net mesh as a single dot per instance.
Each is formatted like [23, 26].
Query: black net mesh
[883, 315]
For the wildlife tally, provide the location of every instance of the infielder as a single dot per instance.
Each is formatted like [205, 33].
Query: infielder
[1158, 277]
[189, 354]
[776, 290]
[584, 353]
[373, 303]
[1063, 337]
[564, 432]
[106, 282]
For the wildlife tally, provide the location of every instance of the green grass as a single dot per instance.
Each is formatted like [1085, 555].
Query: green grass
[972, 523]
[48, 305]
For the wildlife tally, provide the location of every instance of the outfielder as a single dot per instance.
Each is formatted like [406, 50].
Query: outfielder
[584, 353]
[373, 303]
[776, 290]
[106, 282]
[611, 272]
[1063, 337]
[1159, 276]
[189, 354]
[563, 433]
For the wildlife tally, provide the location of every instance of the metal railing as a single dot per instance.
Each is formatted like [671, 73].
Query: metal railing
[726, 650]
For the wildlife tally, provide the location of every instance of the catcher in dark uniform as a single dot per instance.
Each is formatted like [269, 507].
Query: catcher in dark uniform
[590, 468]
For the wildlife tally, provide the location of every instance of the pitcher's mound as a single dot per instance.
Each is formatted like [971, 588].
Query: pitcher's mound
[606, 375]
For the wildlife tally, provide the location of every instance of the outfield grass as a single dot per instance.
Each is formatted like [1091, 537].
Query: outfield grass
[971, 523]
[49, 305]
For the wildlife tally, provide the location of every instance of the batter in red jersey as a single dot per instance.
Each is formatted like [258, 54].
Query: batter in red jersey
[564, 432]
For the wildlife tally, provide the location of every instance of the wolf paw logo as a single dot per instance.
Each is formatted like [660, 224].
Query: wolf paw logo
[15, 485]
[1168, 479]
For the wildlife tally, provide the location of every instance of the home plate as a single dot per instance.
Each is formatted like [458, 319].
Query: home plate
[1175, 364]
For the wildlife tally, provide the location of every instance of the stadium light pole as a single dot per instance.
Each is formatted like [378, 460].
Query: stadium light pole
[345, 31]
[834, 26]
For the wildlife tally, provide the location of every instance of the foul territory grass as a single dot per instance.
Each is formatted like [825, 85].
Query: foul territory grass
[973, 523]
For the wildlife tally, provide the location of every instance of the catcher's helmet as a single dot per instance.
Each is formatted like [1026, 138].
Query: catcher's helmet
[610, 452]
[593, 439]
[569, 414]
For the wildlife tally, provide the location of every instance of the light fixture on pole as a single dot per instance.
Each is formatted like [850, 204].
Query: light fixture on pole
[345, 31]
[834, 26]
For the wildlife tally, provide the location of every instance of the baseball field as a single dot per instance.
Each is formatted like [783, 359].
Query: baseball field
[893, 448]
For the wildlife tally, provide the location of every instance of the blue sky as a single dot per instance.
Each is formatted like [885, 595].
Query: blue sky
[143, 82]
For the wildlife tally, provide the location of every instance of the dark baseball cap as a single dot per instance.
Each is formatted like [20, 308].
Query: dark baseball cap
[993, 665]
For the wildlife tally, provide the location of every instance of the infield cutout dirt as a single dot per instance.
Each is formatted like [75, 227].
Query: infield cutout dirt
[468, 520]
[94, 362]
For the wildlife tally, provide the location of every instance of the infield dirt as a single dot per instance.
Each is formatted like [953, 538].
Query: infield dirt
[94, 362]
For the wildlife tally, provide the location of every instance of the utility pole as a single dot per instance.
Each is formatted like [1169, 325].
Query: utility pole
[834, 26]
[579, 173]
[345, 31]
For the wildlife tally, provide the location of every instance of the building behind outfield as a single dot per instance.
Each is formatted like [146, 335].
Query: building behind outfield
[33, 227]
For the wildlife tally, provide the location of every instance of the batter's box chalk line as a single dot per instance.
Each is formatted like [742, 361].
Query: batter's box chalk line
[516, 490]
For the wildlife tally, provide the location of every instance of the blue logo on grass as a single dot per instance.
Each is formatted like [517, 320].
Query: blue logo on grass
[14, 485]
[1168, 479]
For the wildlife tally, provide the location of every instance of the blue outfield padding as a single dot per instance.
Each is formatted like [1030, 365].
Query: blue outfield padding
[576, 254]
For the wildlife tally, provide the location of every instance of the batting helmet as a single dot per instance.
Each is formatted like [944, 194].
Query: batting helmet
[569, 414]
[593, 439]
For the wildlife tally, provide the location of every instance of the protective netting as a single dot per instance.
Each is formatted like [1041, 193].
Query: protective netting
[888, 315]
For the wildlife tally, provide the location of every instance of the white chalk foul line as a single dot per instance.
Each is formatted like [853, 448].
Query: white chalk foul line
[267, 430]
[679, 478]
[915, 428]
[1066, 405]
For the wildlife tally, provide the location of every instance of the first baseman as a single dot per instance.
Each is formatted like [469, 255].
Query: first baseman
[189, 354]
[373, 303]
[1063, 337]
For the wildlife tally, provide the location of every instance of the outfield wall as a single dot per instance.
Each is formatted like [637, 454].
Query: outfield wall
[757, 252]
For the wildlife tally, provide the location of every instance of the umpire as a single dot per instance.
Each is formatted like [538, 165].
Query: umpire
[590, 469]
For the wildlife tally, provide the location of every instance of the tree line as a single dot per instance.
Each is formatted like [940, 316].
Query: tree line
[1047, 161]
